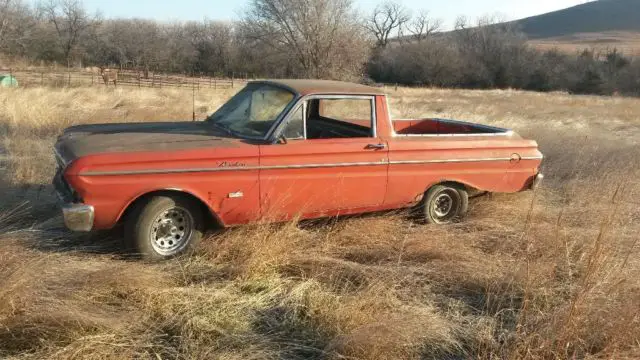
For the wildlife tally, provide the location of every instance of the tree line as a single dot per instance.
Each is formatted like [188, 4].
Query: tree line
[491, 54]
[312, 39]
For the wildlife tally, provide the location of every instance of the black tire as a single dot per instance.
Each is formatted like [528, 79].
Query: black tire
[163, 227]
[444, 204]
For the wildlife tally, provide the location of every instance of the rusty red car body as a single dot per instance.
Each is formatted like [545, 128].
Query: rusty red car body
[358, 165]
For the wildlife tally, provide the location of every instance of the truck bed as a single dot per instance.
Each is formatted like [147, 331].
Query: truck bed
[442, 127]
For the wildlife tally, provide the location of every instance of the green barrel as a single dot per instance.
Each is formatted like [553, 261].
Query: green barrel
[8, 81]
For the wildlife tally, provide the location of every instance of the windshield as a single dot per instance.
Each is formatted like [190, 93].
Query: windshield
[252, 111]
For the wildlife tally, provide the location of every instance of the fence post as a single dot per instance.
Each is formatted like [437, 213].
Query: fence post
[153, 80]
[42, 78]
[210, 82]
[215, 84]
[69, 83]
[233, 75]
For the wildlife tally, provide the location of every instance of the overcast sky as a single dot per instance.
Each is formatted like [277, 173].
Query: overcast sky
[448, 10]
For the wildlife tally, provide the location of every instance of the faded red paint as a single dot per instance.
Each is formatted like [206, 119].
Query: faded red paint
[272, 192]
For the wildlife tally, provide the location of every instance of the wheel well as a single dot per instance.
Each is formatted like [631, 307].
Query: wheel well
[469, 189]
[210, 217]
[453, 184]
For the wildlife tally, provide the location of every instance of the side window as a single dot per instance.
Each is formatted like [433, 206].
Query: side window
[353, 111]
[295, 127]
[340, 118]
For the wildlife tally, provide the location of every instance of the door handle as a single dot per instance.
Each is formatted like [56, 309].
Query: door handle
[376, 147]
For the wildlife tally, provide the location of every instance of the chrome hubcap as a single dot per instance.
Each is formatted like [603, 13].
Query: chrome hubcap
[442, 205]
[171, 231]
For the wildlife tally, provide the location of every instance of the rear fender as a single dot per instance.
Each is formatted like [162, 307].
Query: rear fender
[449, 182]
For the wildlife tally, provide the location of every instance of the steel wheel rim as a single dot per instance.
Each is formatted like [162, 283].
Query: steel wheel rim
[171, 231]
[444, 206]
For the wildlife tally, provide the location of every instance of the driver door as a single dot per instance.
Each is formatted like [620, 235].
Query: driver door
[313, 177]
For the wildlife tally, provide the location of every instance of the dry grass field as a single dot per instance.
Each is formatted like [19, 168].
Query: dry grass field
[627, 42]
[553, 274]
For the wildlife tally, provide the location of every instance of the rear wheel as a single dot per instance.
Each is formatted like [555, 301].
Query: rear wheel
[444, 204]
[165, 226]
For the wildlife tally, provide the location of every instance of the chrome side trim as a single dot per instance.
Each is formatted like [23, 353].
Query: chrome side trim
[412, 162]
[301, 166]
[221, 169]
[440, 161]
[167, 171]
[315, 166]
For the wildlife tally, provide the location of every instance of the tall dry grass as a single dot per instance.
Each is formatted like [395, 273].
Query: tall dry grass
[545, 275]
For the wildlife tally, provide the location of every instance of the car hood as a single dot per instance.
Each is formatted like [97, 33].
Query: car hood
[83, 140]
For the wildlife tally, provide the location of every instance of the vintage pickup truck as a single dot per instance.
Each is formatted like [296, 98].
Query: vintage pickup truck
[280, 150]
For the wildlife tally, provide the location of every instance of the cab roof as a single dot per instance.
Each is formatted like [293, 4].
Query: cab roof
[322, 87]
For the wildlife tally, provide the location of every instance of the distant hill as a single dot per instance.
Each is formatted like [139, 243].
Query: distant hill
[592, 17]
[601, 24]
[597, 25]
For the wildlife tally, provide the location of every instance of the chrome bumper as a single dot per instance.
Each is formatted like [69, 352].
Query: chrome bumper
[537, 180]
[78, 217]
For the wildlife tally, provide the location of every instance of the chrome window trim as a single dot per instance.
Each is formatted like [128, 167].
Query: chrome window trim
[296, 166]
[304, 118]
[287, 120]
[282, 116]
[389, 119]
[304, 99]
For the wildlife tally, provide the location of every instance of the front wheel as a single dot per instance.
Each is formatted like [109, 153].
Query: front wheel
[164, 227]
[444, 204]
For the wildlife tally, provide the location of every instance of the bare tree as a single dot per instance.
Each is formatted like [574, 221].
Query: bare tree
[494, 51]
[4, 17]
[16, 25]
[212, 43]
[70, 20]
[385, 19]
[461, 23]
[424, 26]
[323, 36]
